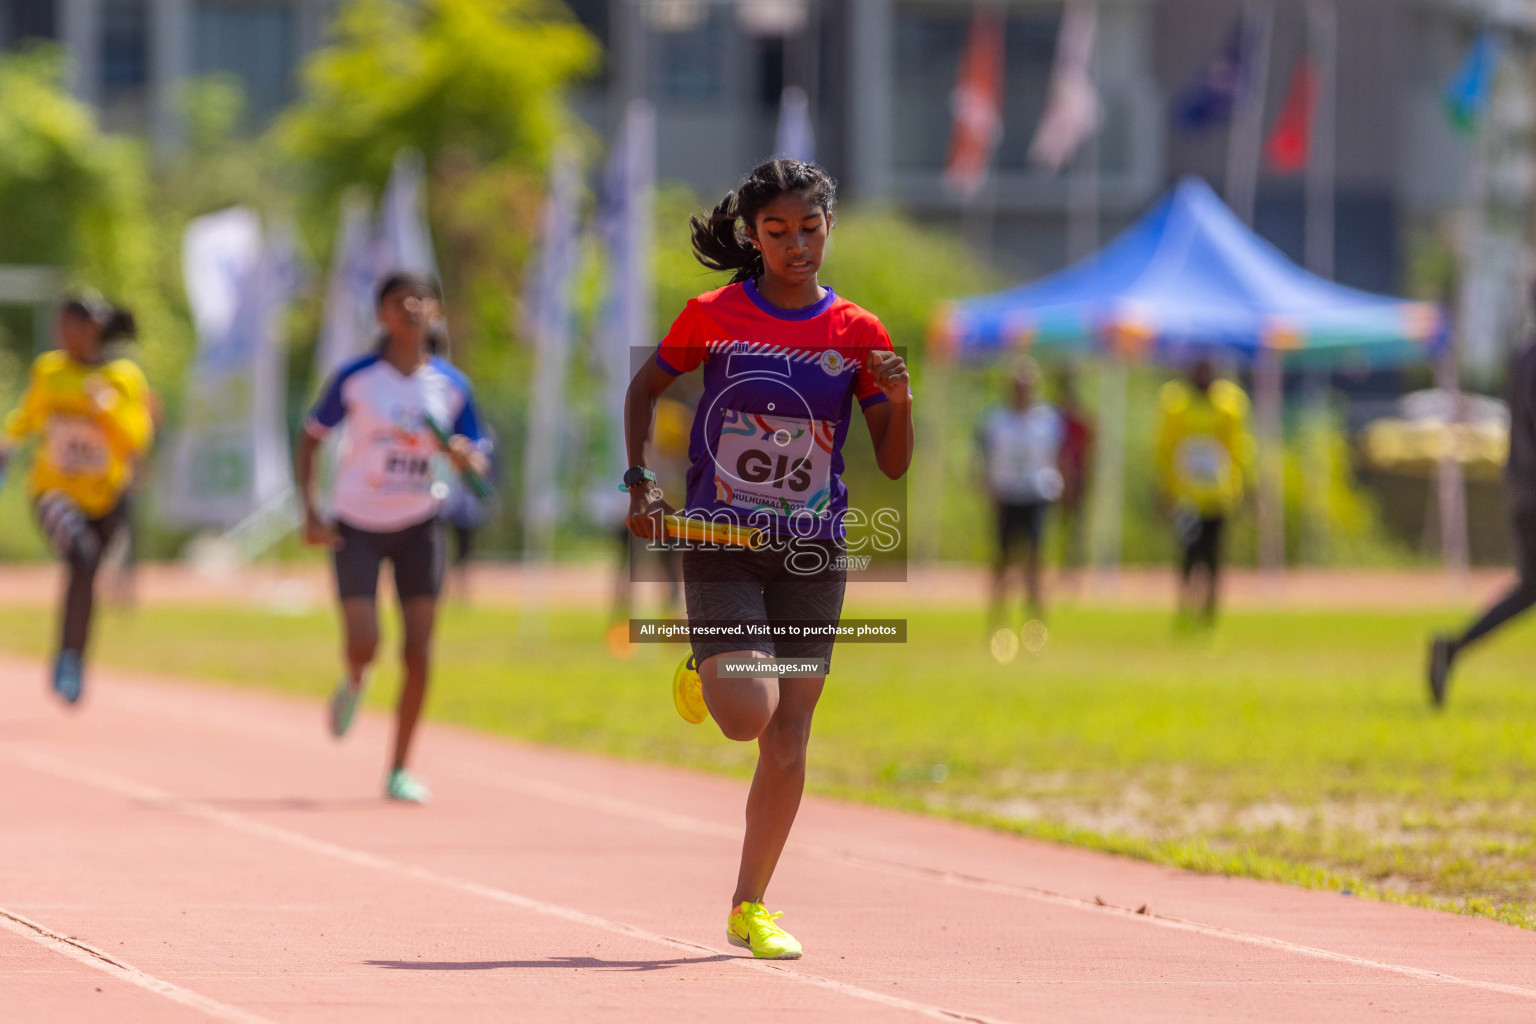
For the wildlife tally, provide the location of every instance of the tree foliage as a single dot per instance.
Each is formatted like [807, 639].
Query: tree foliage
[481, 77]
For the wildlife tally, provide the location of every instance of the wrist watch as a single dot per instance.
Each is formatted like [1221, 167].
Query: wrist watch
[634, 476]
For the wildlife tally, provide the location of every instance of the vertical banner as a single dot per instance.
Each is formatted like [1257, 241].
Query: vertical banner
[794, 137]
[405, 236]
[548, 313]
[231, 457]
[629, 315]
[349, 324]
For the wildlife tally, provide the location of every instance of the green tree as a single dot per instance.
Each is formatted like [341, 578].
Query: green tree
[76, 198]
[475, 85]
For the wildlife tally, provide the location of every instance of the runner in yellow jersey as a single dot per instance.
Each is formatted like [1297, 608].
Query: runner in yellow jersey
[91, 412]
[1204, 455]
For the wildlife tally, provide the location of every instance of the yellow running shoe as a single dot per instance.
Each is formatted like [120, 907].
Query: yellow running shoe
[688, 692]
[752, 927]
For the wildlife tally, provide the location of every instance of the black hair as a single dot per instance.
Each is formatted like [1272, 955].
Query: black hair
[406, 281]
[720, 244]
[116, 324]
[419, 283]
[120, 327]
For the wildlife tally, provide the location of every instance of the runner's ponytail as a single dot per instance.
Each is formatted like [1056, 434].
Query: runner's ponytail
[720, 241]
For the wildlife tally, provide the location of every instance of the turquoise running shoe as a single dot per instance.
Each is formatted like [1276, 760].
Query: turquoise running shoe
[404, 786]
[68, 676]
[343, 706]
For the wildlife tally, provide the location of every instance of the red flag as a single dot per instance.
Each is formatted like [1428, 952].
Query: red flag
[1291, 139]
[977, 102]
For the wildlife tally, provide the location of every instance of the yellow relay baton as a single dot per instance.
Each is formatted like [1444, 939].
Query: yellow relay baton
[687, 528]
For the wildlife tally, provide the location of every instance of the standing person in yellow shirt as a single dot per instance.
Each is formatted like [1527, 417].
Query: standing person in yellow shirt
[1204, 454]
[92, 413]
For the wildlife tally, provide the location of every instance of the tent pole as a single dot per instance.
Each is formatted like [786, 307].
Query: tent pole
[1107, 523]
[1267, 384]
[1318, 469]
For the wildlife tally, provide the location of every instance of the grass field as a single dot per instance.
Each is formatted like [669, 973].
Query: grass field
[1290, 746]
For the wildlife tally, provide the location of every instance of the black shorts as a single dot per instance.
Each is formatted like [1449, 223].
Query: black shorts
[1200, 540]
[803, 584]
[1021, 521]
[418, 553]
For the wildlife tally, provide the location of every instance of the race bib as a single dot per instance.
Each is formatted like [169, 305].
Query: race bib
[776, 463]
[1202, 461]
[76, 446]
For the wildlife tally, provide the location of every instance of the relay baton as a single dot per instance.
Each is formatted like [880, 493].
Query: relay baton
[686, 528]
[477, 484]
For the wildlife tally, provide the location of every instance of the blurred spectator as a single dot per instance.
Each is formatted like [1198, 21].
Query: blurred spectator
[1204, 454]
[1076, 464]
[1020, 447]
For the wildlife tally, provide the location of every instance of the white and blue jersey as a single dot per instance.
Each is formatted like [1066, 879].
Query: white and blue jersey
[384, 470]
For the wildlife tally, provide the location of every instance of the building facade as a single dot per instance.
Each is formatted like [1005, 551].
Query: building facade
[879, 75]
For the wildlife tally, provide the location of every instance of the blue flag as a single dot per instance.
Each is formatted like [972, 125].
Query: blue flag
[1466, 97]
[1213, 94]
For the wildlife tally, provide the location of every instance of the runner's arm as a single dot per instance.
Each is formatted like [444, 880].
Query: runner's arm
[649, 384]
[890, 421]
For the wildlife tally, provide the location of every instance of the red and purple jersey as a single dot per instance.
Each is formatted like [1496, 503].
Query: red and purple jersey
[779, 387]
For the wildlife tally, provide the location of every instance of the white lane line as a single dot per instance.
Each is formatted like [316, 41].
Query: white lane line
[133, 790]
[90, 956]
[619, 807]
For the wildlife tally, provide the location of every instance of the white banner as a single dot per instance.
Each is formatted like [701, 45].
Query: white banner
[231, 454]
[629, 313]
[349, 326]
[548, 316]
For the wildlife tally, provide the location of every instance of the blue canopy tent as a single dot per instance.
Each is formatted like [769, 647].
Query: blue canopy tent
[1190, 278]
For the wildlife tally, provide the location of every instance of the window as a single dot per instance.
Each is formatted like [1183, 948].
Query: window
[31, 19]
[689, 63]
[124, 47]
[258, 42]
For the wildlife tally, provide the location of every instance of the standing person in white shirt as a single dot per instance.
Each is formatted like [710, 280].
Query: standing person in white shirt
[1020, 447]
[384, 505]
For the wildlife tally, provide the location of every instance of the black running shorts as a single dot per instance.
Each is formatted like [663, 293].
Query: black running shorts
[418, 553]
[802, 584]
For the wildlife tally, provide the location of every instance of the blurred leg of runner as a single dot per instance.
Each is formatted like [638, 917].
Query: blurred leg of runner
[419, 615]
[82, 542]
[463, 549]
[1516, 601]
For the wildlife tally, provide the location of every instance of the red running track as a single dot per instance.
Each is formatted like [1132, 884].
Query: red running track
[192, 853]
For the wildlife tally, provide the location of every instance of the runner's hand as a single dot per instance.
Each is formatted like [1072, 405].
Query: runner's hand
[465, 455]
[646, 507]
[890, 373]
[319, 532]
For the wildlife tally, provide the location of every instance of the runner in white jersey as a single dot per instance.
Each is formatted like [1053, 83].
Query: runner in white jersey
[385, 506]
[1020, 448]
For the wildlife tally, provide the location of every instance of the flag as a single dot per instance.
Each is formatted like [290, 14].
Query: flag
[1072, 110]
[977, 103]
[547, 311]
[1216, 89]
[231, 457]
[794, 138]
[1291, 141]
[348, 324]
[1466, 97]
[627, 328]
[406, 238]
